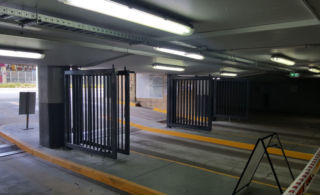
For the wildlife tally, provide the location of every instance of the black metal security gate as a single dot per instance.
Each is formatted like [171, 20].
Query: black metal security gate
[231, 98]
[189, 102]
[97, 111]
[193, 102]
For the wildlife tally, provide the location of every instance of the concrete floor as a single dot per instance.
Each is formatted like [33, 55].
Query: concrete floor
[25, 174]
[157, 160]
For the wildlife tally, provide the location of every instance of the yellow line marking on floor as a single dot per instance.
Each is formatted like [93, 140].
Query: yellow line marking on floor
[255, 137]
[160, 110]
[201, 168]
[234, 144]
[234, 134]
[111, 180]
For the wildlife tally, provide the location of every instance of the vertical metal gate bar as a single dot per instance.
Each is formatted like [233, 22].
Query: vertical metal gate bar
[100, 105]
[114, 121]
[96, 113]
[169, 101]
[76, 113]
[122, 112]
[187, 103]
[81, 109]
[78, 109]
[86, 108]
[197, 103]
[178, 102]
[118, 113]
[127, 113]
[73, 108]
[204, 103]
[93, 112]
[193, 102]
[67, 107]
[201, 103]
[94, 142]
[175, 84]
[205, 110]
[190, 102]
[108, 111]
[75, 117]
[89, 125]
[104, 114]
[183, 103]
[210, 101]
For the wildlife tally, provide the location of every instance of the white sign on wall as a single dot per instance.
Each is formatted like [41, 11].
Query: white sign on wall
[149, 85]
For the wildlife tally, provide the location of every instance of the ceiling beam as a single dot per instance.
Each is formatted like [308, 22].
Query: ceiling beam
[253, 29]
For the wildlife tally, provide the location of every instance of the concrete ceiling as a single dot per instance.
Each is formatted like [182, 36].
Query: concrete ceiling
[251, 30]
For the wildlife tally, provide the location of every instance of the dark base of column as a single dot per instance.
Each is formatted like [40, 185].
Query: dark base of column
[51, 121]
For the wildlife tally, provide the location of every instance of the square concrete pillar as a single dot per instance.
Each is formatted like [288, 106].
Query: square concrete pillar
[51, 105]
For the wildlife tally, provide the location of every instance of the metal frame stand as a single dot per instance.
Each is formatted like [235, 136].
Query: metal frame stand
[238, 188]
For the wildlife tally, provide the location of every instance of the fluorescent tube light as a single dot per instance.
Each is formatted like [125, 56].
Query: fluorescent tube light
[21, 54]
[167, 67]
[282, 60]
[228, 74]
[314, 70]
[180, 53]
[130, 14]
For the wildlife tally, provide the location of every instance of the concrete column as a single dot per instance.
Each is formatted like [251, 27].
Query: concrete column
[51, 105]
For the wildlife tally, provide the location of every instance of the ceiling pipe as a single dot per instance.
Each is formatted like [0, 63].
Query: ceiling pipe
[311, 9]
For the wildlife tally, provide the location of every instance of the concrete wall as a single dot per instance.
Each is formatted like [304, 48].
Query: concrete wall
[147, 85]
[132, 87]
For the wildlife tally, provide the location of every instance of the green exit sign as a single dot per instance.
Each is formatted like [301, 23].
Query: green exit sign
[294, 74]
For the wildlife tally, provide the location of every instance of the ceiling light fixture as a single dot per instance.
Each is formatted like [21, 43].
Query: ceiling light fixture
[282, 60]
[168, 67]
[21, 54]
[130, 14]
[228, 74]
[180, 53]
[314, 70]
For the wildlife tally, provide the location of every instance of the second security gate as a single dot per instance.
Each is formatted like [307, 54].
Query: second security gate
[231, 98]
[193, 102]
[97, 111]
[189, 102]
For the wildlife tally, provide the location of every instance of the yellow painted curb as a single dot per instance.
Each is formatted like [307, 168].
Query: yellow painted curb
[234, 144]
[130, 103]
[160, 110]
[111, 180]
